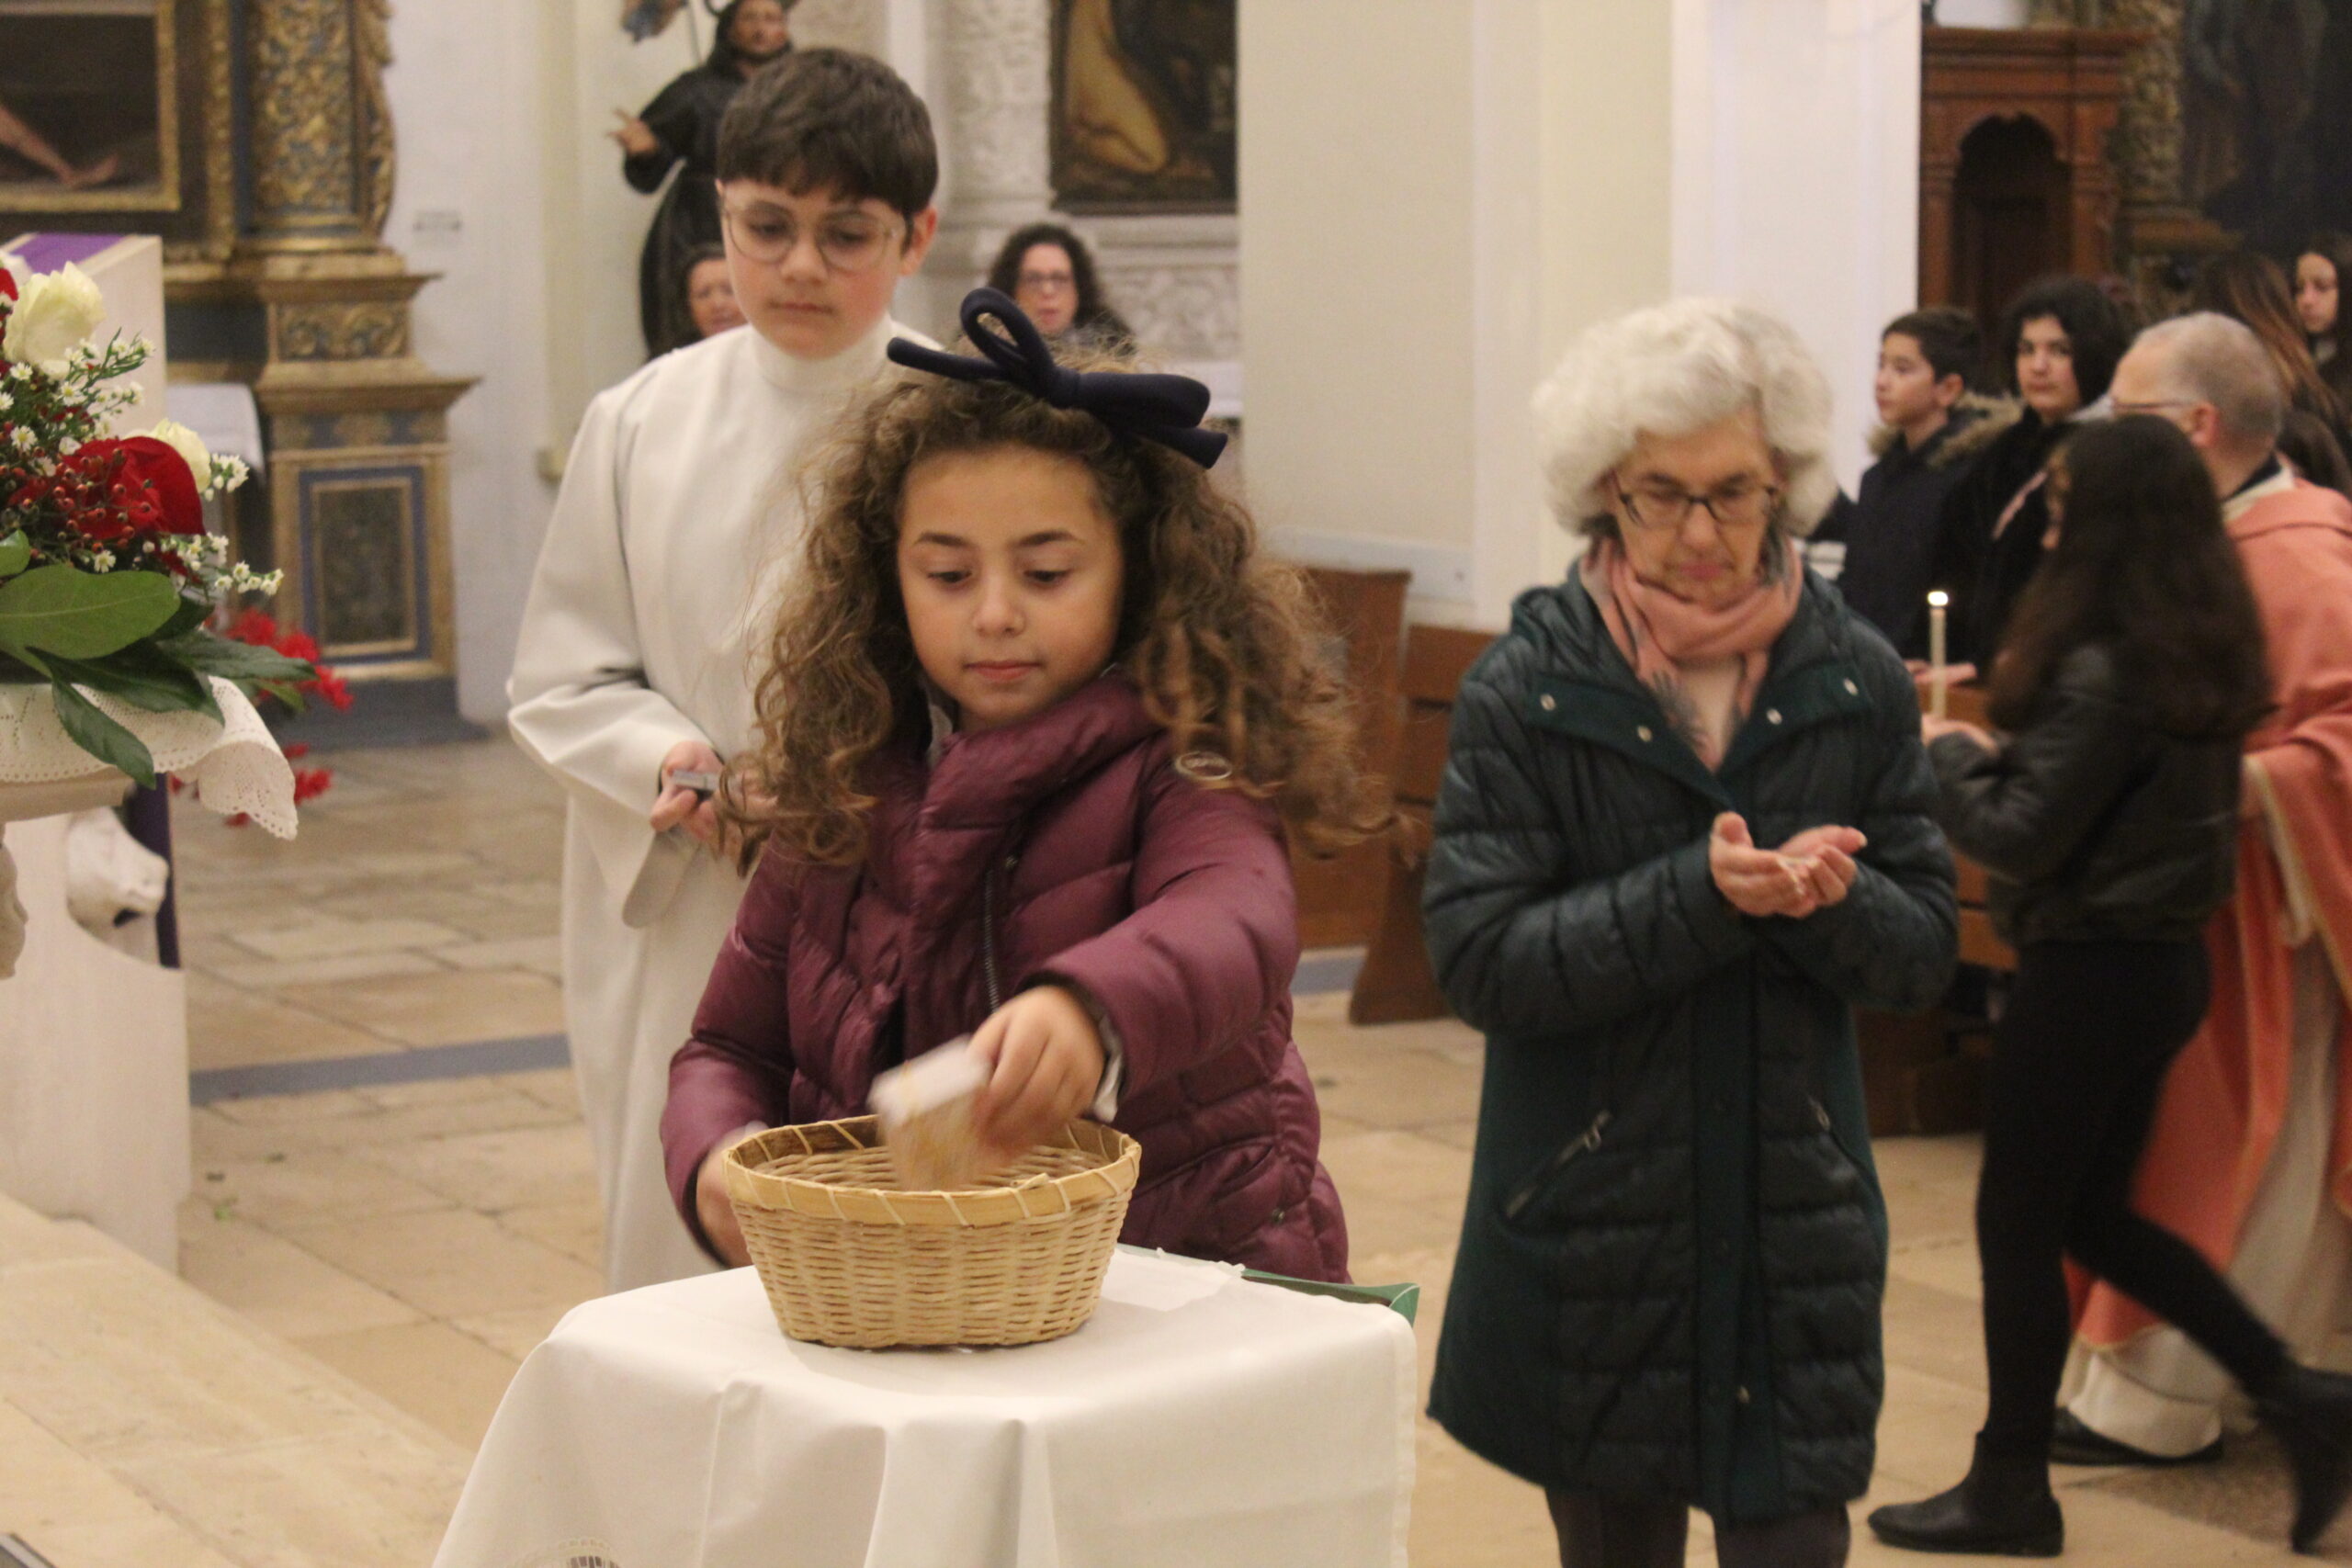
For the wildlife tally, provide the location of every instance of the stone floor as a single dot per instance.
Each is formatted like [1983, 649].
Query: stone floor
[422, 1237]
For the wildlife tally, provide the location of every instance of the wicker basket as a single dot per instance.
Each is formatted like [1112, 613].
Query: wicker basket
[847, 1258]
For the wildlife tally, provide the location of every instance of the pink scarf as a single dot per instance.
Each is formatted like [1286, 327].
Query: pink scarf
[1658, 633]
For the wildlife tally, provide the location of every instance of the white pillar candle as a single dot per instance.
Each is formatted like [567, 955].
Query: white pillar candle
[1938, 678]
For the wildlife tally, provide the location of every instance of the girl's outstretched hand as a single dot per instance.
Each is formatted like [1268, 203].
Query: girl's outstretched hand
[1045, 1059]
[716, 1212]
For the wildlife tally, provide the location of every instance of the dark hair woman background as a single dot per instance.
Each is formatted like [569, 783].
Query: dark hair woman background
[1050, 273]
[2128, 678]
[680, 126]
[2057, 350]
[2248, 287]
[2322, 269]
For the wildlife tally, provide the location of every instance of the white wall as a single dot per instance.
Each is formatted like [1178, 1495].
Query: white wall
[1796, 159]
[464, 95]
[1437, 199]
[1355, 302]
[594, 224]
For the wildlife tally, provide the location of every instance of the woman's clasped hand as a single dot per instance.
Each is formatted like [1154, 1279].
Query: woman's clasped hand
[1811, 872]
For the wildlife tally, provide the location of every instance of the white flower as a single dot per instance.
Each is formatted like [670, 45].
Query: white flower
[190, 446]
[6, 403]
[57, 311]
[102, 560]
[24, 438]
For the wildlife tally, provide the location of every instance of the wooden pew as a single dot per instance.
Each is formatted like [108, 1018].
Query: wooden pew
[1925, 1073]
[1339, 895]
[1978, 944]
[1395, 984]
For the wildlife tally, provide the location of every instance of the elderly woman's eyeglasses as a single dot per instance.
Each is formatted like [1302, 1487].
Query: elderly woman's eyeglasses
[846, 242]
[1656, 507]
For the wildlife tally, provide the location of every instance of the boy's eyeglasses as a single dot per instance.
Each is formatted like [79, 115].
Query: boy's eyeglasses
[846, 242]
[1658, 508]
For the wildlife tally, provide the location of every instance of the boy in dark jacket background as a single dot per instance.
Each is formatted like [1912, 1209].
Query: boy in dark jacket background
[1930, 428]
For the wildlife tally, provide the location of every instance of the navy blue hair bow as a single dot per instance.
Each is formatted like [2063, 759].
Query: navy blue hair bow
[1165, 409]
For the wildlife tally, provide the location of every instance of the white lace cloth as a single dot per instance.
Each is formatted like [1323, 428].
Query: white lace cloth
[233, 766]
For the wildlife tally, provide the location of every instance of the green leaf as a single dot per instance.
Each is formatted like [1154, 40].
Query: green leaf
[208, 654]
[81, 615]
[286, 692]
[15, 554]
[143, 677]
[186, 619]
[101, 737]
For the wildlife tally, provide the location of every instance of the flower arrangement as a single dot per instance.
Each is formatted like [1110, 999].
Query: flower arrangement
[109, 579]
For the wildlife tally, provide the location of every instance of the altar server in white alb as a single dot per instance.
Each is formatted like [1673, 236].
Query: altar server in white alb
[633, 681]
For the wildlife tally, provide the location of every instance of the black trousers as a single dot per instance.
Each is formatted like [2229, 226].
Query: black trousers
[2077, 1066]
[1618, 1532]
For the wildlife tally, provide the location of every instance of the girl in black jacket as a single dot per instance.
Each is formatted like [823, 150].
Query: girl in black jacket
[2060, 341]
[2107, 819]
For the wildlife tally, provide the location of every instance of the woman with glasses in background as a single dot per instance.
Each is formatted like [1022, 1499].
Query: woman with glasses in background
[1050, 273]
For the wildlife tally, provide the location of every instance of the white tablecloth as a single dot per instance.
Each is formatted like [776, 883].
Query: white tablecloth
[1198, 1419]
[233, 762]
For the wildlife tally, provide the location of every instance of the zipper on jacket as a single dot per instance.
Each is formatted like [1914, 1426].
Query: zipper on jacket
[987, 933]
[1583, 1145]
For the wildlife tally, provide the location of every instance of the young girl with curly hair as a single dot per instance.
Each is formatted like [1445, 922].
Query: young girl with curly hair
[1037, 721]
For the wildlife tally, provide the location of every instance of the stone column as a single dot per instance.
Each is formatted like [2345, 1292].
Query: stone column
[996, 88]
[991, 91]
[356, 512]
[320, 147]
[2163, 239]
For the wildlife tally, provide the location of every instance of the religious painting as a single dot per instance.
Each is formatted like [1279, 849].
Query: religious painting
[1143, 105]
[2265, 111]
[89, 99]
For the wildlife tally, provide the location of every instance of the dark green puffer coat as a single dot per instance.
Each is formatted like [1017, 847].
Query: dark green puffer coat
[1671, 1266]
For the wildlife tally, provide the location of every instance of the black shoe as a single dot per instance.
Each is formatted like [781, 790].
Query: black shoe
[2072, 1442]
[2310, 1412]
[2003, 1509]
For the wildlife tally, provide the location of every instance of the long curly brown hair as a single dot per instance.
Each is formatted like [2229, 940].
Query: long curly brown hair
[1225, 646]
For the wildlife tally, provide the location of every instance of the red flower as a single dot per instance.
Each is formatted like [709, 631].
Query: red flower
[8, 284]
[150, 485]
[331, 689]
[252, 627]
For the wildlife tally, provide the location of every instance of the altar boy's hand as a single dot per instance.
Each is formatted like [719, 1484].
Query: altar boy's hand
[677, 805]
[1045, 1061]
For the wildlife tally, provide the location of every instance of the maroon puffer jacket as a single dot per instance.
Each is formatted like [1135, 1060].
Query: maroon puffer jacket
[1065, 847]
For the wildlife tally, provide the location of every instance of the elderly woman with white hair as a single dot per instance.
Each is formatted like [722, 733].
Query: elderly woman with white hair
[1684, 827]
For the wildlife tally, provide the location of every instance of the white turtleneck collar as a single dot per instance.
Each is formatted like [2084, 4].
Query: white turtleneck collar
[858, 363]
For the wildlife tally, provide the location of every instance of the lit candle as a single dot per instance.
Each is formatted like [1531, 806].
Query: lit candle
[1938, 603]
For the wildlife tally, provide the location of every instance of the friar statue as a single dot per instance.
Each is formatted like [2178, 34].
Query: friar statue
[680, 126]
